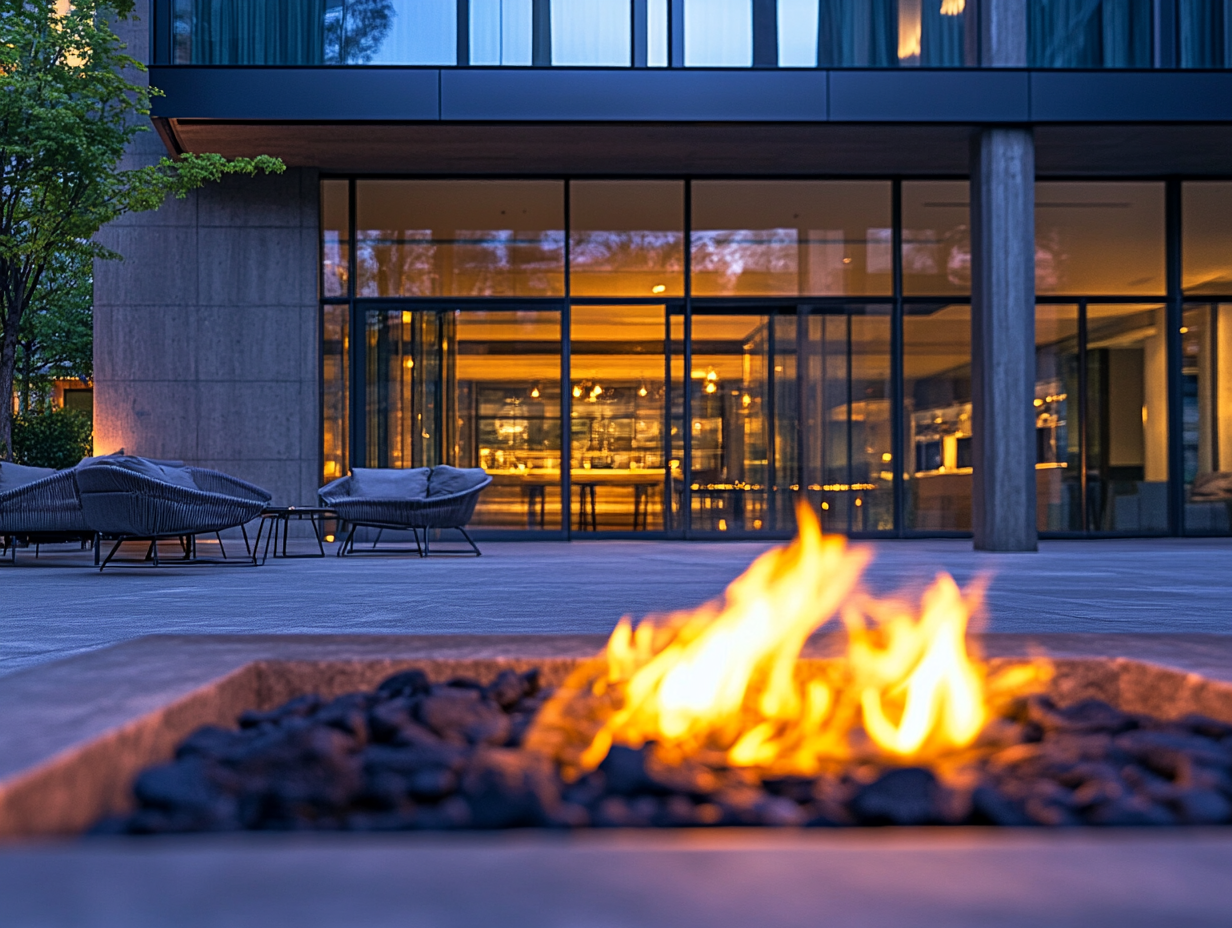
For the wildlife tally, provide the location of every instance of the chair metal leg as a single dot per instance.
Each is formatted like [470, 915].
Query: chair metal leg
[471, 541]
[253, 551]
[222, 550]
[110, 555]
[379, 533]
[342, 548]
[98, 544]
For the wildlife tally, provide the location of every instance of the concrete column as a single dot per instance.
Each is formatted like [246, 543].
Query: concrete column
[1003, 338]
[206, 333]
[1003, 306]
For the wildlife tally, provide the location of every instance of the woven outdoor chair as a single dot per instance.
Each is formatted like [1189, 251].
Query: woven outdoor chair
[47, 509]
[126, 505]
[414, 513]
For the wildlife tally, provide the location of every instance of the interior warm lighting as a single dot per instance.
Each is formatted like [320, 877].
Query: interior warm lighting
[534, 392]
[886, 456]
[1184, 330]
[908, 47]
[712, 375]
[825, 505]
[746, 400]
[722, 525]
[329, 538]
[726, 678]
[953, 7]
[642, 391]
[1038, 402]
[577, 391]
[711, 387]
[658, 288]
[408, 363]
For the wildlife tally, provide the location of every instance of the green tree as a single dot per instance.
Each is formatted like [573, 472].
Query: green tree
[71, 101]
[56, 338]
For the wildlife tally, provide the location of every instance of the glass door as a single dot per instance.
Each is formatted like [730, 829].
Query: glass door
[1206, 340]
[620, 456]
[469, 388]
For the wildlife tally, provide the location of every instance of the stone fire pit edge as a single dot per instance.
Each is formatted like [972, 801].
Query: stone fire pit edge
[74, 733]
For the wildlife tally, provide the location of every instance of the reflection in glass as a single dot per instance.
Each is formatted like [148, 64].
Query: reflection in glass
[501, 32]
[616, 421]
[789, 238]
[1126, 418]
[459, 238]
[1206, 249]
[1100, 238]
[503, 404]
[849, 461]
[1205, 29]
[595, 33]
[937, 418]
[1089, 33]
[335, 390]
[858, 33]
[626, 238]
[355, 30]
[1206, 341]
[251, 31]
[423, 32]
[936, 238]
[335, 237]
[718, 33]
[1058, 449]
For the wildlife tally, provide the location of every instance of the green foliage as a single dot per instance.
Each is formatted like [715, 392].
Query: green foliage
[71, 102]
[56, 338]
[57, 438]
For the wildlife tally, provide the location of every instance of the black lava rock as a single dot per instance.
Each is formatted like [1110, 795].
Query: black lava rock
[904, 796]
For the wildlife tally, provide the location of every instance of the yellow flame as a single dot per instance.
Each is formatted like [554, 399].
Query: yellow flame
[727, 677]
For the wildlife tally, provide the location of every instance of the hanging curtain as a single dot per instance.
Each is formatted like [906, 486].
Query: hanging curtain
[258, 31]
[1090, 33]
[857, 34]
[1204, 33]
[942, 36]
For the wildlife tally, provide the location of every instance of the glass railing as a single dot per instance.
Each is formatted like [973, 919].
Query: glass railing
[683, 33]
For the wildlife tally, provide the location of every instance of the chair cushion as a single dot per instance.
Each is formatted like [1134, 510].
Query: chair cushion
[446, 480]
[389, 482]
[13, 476]
[176, 476]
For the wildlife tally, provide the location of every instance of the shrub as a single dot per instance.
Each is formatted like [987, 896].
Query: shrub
[59, 438]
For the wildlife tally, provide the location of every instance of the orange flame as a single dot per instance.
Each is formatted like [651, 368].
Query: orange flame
[727, 678]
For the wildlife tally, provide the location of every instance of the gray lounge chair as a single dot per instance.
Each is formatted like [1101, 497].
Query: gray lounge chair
[135, 499]
[39, 504]
[418, 499]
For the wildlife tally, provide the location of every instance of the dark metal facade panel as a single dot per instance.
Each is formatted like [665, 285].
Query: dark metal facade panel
[651, 95]
[1131, 96]
[328, 93]
[971, 96]
[559, 95]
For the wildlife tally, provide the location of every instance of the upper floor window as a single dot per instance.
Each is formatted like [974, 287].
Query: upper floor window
[684, 33]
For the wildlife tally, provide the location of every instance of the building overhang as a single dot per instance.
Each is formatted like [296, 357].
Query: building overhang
[650, 121]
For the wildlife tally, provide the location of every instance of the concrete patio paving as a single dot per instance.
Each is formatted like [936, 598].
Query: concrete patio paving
[55, 605]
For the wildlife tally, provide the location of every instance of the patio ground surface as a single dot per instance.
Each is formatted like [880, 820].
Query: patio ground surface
[55, 605]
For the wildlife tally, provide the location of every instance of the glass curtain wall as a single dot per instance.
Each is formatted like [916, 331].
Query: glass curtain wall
[618, 453]
[1206, 354]
[1089, 33]
[707, 401]
[937, 417]
[847, 419]
[717, 33]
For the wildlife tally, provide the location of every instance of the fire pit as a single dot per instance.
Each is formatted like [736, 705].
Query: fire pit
[716, 717]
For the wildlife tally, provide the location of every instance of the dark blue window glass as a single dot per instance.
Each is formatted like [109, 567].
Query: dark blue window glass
[1090, 33]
